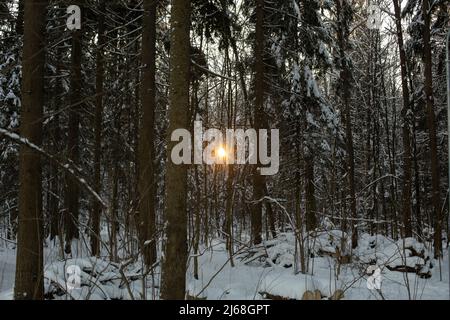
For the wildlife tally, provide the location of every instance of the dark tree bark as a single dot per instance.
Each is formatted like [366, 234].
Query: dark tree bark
[19, 21]
[345, 94]
[407, 159]
[29, 280]
[258, 179]
[173, 282]
[72, 191]
[429, 98]
[54, 201]
[99, 79]
[146, 137]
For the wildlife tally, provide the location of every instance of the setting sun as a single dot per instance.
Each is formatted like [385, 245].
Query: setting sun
[221, 152]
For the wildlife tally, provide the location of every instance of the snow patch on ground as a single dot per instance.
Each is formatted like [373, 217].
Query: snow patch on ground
[271, 272]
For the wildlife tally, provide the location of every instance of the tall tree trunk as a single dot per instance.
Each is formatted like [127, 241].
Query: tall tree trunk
[418, 202]
[72, 189]
[428, 90]
[345, 78]
[197, 224]
[258, 179]
[415, 161]
[19, 21]
[146, 137]
[54, 204]
[136, 127]
[407, 164]
[29, 280]
[173, 282]
[99, 79]
[114, 216]
[299, 244]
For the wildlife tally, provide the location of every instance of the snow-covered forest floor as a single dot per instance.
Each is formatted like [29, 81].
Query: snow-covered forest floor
[263, 272]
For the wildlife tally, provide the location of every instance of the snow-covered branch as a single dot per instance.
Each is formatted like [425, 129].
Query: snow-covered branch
[67, 167]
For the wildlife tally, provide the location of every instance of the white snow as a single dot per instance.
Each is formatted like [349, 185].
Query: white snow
[269, 271]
